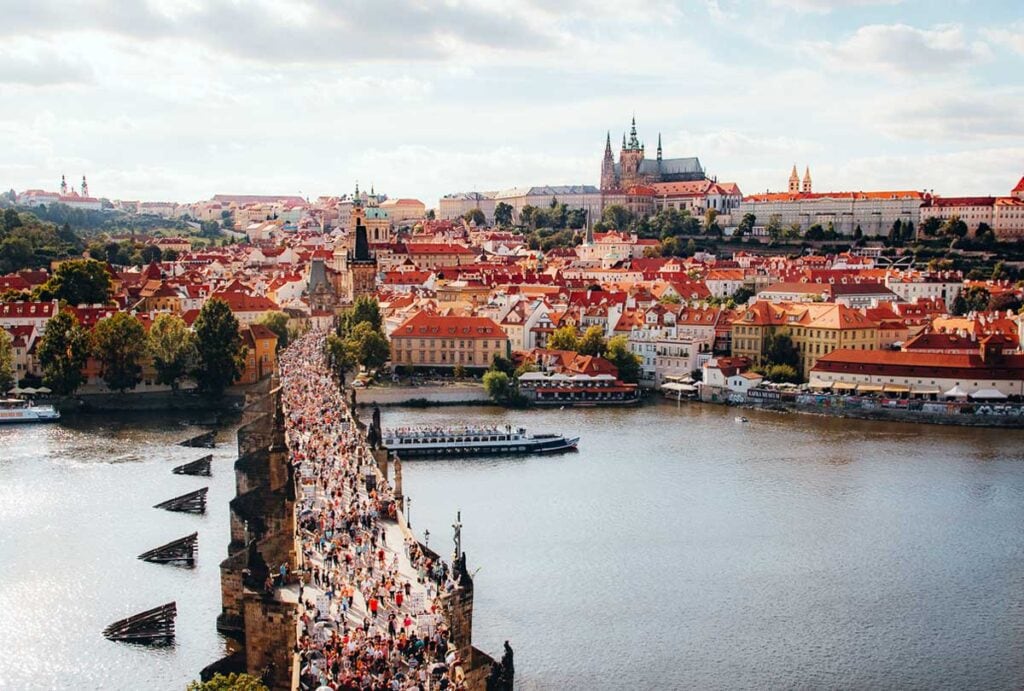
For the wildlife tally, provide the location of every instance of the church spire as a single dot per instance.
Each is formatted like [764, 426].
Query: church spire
[608, 145]
[659, 146]
[85, 187]
[807, 181]
[794, 181]
[63, 186]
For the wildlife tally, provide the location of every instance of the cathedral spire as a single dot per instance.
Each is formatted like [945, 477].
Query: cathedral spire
[608, 144]
[85, 187]
[794, 181]
[63, 185]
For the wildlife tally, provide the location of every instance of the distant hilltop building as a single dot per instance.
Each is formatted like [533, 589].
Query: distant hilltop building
[634, 169]
[66, 196]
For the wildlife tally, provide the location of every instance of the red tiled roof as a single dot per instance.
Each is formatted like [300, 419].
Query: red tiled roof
[429, 325]
[922, 364]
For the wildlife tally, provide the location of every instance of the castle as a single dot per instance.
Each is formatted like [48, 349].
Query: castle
[635, 169]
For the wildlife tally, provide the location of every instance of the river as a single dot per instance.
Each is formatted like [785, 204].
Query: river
[75, 511]
[677, 549]
[681, 549]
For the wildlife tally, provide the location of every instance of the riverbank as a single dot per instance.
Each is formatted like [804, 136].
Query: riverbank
[421, 396]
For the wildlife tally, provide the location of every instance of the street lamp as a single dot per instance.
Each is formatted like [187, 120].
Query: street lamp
[408, 511]
[426, 538]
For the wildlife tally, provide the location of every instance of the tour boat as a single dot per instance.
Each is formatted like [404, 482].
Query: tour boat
[17, 410]
[741, 418]
[413, 442]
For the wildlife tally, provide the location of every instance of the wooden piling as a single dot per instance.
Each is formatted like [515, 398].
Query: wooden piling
[193, 502]
[152, 627]
[199, 467]
[184, 550]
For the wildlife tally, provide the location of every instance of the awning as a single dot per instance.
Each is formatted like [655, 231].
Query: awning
[989, 395]
[896, 388]
[956, 392]
[819, 384]
[869, 388]
[925, 390]
[844, 386]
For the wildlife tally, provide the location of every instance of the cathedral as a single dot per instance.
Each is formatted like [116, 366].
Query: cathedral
[634, 168]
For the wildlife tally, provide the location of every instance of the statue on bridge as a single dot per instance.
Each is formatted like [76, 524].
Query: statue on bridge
[502, 674]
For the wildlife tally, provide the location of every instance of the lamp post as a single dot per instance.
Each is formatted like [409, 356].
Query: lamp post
[426, 538]
[408, 511]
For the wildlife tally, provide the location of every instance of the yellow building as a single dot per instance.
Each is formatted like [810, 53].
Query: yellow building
[432, 340]
[816, 329]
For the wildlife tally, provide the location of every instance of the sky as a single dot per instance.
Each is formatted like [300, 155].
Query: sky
[181, 99]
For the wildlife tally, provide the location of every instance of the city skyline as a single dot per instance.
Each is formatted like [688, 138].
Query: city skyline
[295, 99]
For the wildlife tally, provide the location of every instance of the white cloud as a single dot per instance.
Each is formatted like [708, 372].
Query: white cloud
[826, 6]
[1011, 37]
[955, 114]
[35, 64]
[903, 50]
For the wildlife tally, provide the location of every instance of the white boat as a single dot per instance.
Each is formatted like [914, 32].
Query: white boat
[18, 410]
[741, 418]
[415, 442]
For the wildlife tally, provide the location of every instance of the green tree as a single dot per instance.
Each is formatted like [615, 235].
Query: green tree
[62, 352]
[746, 224]
[577, 218]
[150, 253]
[6, 362]
[742, 295]
[617, 216]
[782, 374]
[78, 282]
[476, 217]
[431, 215]
[459, 372]
[219, 349]
[11, 220]
[501, 363]
[368, 346]
[954, 227]
[173, 349]
[15, 253]
[497, 385]
[231, 682]
[503, 214]
[779, 350]
[592, 342]
[119, 343]
[278, 323]
[364, 309]
[931, 226]
[565, 338]
[973, 299]
[815, 232]
[774, 227]
[339, 357]
[628, 363]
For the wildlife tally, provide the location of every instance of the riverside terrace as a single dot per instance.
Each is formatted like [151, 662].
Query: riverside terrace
[370, 607]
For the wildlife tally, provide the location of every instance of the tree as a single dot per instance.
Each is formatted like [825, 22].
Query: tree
[503, 214]
[774, 227]
[172, 348]
[742, 295]
[628, 363]
[6, 362]
[431, 215]
[62, 352]
[368, 346]
[526, 215]
[78, 282]
[781, 374]
[577, 218]
[151, 253]
[617, 216]
[15, 253]
[858, 233]
[999, 271]
[339, 358]
[815, 232]
[973, 299]
[11, 220]
[364, 309]
[779, 350]
[119, 343]
[954, 227]
[931, 226]
[497, 385]
[709, 219]
[476, 217]
[746, 224]
[565, 338]
[227, 220]
[278, 323]
[219, 348]
[231, 682]
[502, 364]
[592, 342]
[459, 372]
[1003, 302]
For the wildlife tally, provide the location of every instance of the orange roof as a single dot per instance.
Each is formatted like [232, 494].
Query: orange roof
[1019, 187]
[438, 248]
[814, 196]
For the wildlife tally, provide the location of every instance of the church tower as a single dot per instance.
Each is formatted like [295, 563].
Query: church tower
[362, 266]
[807, 181]
[794, 181]
[85, 187]
[630, 158]
[608, 181]
[63, 186]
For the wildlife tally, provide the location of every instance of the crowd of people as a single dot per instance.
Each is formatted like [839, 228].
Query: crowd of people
[369, 595]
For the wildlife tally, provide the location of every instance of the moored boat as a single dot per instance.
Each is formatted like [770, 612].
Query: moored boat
[18, 410]
[436, 442]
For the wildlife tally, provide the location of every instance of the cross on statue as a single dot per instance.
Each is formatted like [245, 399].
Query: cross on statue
[457, 527]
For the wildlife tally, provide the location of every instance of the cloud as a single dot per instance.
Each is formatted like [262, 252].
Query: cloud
[40, 67]
[309, 31]
[826, 6]
[1011, 37]
[957, 115]
[903, 50]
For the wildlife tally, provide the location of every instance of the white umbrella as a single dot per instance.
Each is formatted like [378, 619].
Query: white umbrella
[16, 390]
[955, 392]
[29, 390]
[43, 389]
[989, 394]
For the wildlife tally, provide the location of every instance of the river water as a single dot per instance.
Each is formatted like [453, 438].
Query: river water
[677, 549]
[681, 549]
[75, 511]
